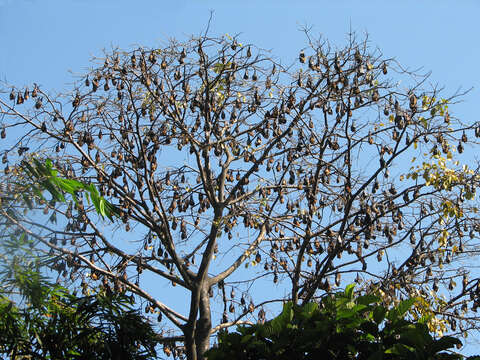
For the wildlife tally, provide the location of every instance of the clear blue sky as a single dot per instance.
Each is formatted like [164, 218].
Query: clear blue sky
[42, 40]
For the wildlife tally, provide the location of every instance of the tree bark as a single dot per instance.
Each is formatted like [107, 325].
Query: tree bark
[204, 324]
[190, 346]
[197, 332]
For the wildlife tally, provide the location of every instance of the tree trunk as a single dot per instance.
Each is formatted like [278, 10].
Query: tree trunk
[190, 346]
[204, 324]
[197, 332]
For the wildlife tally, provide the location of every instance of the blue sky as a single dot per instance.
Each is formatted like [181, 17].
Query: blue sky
[42, 40]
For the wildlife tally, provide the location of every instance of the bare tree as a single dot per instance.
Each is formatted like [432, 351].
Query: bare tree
[219, 156]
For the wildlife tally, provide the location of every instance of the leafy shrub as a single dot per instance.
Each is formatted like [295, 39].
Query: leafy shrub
[42, 320]
[342, 326]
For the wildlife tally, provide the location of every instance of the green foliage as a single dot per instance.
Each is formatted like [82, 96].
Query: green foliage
[342, 326]
[45, 178]
[56, 324]
[42, 320]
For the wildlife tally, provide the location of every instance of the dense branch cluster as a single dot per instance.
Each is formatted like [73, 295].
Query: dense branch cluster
[217, 155]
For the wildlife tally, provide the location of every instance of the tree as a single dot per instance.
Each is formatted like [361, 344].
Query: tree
[217, 157]
[55, 324]
[43, 320]
[343, 326]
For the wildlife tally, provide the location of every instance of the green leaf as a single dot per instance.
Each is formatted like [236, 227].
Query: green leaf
[444, 343]
[415, 336]
[368, 299]
[96, 203]
[69, 186]
[47, 177]
[345, 314]
[405, 305]
[379, 314]
[349, 291]
[276, 325]
[308, 309]
[397, 312]
[401, 350]
[101, 207]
